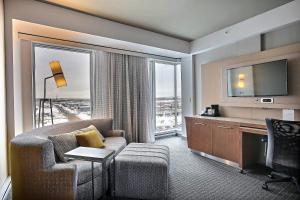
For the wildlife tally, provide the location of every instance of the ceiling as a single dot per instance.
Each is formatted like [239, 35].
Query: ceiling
[183, 19]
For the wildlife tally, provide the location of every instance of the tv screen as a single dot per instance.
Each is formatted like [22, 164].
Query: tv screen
[265, 79]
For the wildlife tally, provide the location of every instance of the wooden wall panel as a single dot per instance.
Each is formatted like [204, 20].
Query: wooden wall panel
[214, 85]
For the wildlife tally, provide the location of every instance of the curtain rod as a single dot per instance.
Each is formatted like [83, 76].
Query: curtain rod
[96, 45]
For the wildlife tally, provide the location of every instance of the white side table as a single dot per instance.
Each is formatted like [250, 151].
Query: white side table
[93, 155]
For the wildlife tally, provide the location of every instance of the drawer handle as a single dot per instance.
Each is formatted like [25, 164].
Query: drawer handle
[199, 123]
[225, 127]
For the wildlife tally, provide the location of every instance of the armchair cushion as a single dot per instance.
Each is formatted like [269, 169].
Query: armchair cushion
[63, 143]
[84, 170]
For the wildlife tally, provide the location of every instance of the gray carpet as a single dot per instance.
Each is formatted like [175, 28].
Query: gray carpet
[196, 177]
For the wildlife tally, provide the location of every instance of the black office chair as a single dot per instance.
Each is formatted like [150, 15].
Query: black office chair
[283, 154]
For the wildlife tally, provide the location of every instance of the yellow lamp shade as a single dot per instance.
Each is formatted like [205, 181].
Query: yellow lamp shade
[58, 74]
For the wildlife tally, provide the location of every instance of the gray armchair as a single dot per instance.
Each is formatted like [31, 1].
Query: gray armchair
[36, 172]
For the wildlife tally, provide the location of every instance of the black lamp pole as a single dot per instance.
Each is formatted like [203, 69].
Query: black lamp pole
[42, 102]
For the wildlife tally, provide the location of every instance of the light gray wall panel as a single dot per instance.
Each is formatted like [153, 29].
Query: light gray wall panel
[284, 36]
[187, 89]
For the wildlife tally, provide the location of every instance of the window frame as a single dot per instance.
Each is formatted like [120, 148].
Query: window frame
[175, 130]
[57, 47]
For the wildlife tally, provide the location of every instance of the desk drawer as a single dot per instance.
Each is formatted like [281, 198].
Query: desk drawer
[224, 124]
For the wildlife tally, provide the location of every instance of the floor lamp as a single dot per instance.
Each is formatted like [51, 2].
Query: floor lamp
[60, 81]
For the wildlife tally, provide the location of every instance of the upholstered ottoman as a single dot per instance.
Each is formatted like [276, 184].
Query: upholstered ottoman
[141, 171]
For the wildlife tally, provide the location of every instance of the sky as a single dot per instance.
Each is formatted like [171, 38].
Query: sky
[164, 80]
[76, 69]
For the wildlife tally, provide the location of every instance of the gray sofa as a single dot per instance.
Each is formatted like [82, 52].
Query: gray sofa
[36, 172]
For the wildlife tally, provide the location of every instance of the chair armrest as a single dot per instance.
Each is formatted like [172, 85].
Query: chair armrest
[116, 133]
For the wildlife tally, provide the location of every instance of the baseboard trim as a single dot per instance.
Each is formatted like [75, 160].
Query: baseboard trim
[227, 162]
[4, 190]
[165, 135]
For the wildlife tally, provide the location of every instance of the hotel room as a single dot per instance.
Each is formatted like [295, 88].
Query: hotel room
[140, 99]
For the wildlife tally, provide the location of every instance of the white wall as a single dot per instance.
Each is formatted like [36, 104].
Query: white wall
[3, 140]
[187, 89]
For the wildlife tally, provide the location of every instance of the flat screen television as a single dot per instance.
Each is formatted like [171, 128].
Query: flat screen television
[265, 79]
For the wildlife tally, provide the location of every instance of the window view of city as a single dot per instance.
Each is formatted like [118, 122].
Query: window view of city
[168, 97]
[167, 116]
[70, 102]
[63, 110]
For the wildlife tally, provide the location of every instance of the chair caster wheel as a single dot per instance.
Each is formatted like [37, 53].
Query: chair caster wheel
[265, 187]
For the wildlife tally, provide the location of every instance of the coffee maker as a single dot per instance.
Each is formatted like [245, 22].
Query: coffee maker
[212, 111]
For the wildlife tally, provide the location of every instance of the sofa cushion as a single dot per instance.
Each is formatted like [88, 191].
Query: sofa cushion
[63, 143]
[115, 143]
[84, 170]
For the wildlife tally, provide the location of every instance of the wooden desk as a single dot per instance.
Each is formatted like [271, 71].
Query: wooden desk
[231, 139]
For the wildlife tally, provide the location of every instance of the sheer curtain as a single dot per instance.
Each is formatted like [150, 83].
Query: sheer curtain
[121, 89]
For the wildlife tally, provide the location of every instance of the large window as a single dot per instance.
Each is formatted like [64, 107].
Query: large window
[168, 97]
[56, 102]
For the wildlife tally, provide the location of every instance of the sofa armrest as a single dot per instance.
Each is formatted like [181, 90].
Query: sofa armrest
[35, 174]
[61, 181]
[31, 153]
[116, 133]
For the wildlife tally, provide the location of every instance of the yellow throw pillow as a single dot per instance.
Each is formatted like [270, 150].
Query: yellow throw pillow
[92, 127]
[89, 139]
